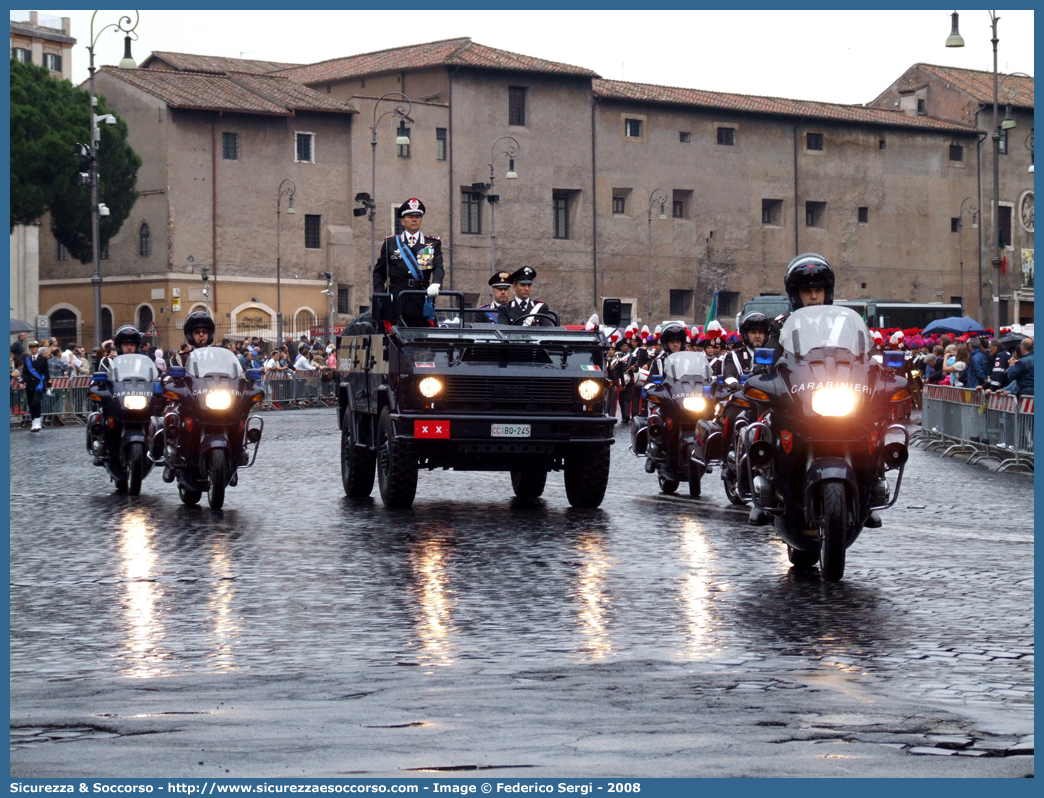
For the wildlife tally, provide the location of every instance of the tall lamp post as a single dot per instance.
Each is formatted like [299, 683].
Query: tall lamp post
[97, 208]
[511, 150]
[287, 188]
[402, 139]
[971, 207]
[657, 196]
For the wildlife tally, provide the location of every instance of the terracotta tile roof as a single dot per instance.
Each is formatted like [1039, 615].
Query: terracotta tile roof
[852, 114]
[979, 85]
[215, 64]
[235, 92]
[448, 52]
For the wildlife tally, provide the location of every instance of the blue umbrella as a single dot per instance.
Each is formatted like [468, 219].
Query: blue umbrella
[956, 325]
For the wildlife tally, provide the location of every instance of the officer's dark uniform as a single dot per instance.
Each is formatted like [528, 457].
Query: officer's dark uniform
[391, 274]
[34, 387]
[518, 308]
[498, 280]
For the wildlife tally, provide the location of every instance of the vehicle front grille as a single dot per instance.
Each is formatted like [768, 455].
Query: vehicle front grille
[504, 393]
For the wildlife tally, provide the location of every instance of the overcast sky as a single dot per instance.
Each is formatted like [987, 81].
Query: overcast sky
[832, 56]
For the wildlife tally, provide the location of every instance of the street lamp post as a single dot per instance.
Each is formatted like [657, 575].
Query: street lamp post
[973, 210]
[403, 112]
[329, 291]
[657, 196]
[511, 150]
[97, 209]
[288, 188]
[204, 272]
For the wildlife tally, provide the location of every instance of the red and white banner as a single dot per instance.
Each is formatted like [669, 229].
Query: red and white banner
[1026, 404]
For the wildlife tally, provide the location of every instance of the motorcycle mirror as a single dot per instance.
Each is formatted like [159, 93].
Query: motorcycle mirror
[253, 374]
[157, 387]
[177, 372]
[656, 380]
[99, 376]
[894, 359]
[764, 356]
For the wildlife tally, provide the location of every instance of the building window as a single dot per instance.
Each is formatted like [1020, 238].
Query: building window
[104, 251]
[922, 106]
[403, 150]
[772, 212]
[516, 105]
[470, 212]
[633, 128]
[680, 202]
[52, 61]
[681, 303]
[342, 299]
[144, 240]
[21, 54]
[881, 144]
[619, 204]
[1002, 144]
[230, 146]
[815, 214]
[62, 254]
[1004, 225]
[305, 152]
[956, 152]
[313, 227]
[440, 144]
[727, 136]
[684, 136]
[560, 209]
[813, 141]
[955, 224]
[864, 215]
[728, 303]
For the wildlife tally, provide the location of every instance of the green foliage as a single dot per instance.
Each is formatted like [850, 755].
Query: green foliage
[49, 117]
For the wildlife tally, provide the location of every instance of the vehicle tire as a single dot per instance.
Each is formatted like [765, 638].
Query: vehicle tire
[218, 479]
[135, 468]
[667, 485]
[528, 484]
[587, 475]
[695, 476]
[802, 559]
[832, 531]
[190, 498]
[358, 465]
[396, 467]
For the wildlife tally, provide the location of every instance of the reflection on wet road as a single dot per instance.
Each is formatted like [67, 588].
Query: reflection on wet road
[294, 577]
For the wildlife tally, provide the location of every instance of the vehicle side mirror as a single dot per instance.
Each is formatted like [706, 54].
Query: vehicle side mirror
[612, 311]
[99, 376]
[177, 372]
[894, 359]
[657, 379]
[382, 307]
[157, 387]
[764, 356]
[253, 374]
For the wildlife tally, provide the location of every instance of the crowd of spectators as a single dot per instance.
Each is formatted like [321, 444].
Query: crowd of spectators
[990, 366]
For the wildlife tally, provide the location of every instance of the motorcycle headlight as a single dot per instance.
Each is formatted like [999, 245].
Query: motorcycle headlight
[430, 386]
[135, 402]
[915, 373]
[589, 389]
[219, 400]
[694, 404]
[833, 401]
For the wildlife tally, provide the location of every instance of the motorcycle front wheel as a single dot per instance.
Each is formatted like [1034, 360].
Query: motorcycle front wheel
[218, 479]
[832, 531]
[667, 485]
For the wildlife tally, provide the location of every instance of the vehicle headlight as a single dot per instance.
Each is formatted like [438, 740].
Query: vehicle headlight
[430, 386]
[219, 400]
[694, 404]
[589, 389]
[135, 402]
[915, 373]
[833, 401]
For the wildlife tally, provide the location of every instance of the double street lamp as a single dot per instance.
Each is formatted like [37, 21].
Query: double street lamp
[658, 196]
[369, 201]
[968, 205]
[511, 150]
[287, 188]
[98, 209]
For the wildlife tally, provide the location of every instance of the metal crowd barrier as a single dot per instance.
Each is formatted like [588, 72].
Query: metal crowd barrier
[984, 426]
[299, 390]
[67, 402]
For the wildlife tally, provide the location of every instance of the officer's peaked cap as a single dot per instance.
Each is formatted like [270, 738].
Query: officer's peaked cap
[411, 207]
[501, 280]
[525, 275]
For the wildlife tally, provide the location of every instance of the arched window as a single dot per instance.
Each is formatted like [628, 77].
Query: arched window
[106, 324]
[144, 242]
[63, 325]
[144, 318]
[304, 322]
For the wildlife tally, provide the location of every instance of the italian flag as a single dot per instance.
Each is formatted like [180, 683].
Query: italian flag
[712, 311]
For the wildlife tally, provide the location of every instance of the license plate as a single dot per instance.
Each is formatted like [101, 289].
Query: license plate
[510, 431]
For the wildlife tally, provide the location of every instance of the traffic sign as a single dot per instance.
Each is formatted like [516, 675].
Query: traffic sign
[152, 331]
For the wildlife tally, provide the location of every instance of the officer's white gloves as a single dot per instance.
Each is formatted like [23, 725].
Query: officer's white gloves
[48, 391]
[433, 290]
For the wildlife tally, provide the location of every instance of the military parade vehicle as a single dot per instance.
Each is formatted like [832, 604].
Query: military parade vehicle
[472, 395]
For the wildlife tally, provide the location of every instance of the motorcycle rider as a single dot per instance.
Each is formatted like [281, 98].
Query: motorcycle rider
[753, 330]
[127, 341]
[672, 339]
[199, 330]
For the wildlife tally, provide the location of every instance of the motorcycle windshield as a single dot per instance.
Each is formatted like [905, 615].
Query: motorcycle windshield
[214, 361]
[821, 326]
[133, 367]
[687, 364]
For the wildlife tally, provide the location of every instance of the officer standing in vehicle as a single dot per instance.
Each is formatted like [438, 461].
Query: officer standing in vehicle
[501, 285]
[524, 305]
[411, 261]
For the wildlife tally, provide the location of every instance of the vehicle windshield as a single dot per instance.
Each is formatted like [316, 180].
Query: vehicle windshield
[214, 361]
[824, 326]
[687, 364]
[133, 367]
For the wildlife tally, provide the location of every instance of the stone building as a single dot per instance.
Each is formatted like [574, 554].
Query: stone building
[965, 96]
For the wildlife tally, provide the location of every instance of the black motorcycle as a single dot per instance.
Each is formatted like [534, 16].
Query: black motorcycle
[208, 433]
[817, 457]
[677, 400]
[126, 397]
[717, 439]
